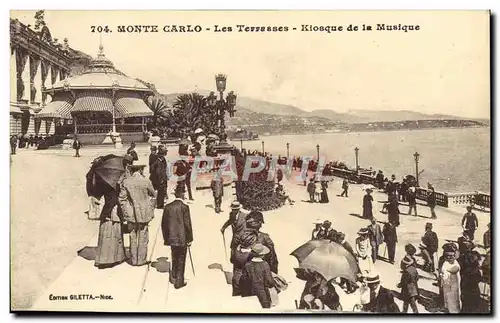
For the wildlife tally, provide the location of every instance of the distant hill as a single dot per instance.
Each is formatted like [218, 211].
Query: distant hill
[251, 110]
[397, 115]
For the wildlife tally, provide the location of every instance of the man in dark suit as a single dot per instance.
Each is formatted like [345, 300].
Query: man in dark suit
[390, 239]
[376, 237]
[409, 285]
[381, 299]
[159, 176]
[153, 156]
[178, 234]
[430, 239]
[131, 151]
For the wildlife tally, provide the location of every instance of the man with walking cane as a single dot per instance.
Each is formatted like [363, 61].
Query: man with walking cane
[178, 234]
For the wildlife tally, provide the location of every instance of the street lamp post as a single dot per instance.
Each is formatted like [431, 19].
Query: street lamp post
[356, 152]
[241, 144]
[221, 107]
[287, 150]
[263, 146]
[317, 149]
[416, 155]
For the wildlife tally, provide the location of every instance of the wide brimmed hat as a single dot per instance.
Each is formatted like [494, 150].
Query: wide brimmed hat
[449, 247]
[255, 216]
[363, 231]
[260, 249]
[372, 279]
[407, 261]
[235, 205]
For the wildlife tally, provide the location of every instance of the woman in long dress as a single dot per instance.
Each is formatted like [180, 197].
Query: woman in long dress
[367, 205]
[450, 280]
[324, 192]
[364, 252]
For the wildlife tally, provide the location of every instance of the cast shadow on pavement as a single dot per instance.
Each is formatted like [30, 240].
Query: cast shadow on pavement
[227, 274]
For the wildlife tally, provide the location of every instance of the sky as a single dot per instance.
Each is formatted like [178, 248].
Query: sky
[441, 68]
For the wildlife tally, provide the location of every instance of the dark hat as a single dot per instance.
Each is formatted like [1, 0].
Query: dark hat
[255, 216]
[409, 248]
[449, 247]
[134, 168]
[327, 223]
[372, 279]
[260, 249]
[428, 225]
[469, 208]
[407, 260]
[363, 231]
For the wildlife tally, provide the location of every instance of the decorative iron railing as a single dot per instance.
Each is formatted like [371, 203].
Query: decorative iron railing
[483, 200]
[105, 128]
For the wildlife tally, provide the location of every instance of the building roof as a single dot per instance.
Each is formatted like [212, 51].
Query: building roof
[100, 74]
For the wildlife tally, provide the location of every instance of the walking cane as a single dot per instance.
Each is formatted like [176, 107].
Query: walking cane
[191, 259]
[225, 247]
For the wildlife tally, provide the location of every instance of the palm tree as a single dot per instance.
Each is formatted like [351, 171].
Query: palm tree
[189, 110]
[159, 108]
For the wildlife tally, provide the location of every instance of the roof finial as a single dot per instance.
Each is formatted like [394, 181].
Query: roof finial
[101, 48]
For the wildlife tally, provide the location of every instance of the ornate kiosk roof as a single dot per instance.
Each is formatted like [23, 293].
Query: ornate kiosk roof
[100, 87]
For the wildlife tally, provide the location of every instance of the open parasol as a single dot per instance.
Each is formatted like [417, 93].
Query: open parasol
[329, 259]
[105, 171]
[212, 136]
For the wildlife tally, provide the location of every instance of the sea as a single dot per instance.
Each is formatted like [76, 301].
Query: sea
[453, 160]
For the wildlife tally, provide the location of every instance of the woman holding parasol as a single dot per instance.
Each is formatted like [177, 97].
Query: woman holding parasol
[103, 180]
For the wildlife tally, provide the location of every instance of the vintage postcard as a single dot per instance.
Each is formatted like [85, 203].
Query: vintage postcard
[250, 161]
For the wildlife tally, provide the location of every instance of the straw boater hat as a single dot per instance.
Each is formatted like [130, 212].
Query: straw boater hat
[260, 249]
[372, 279]
[235, 205]
[407, 260]
[363, 231]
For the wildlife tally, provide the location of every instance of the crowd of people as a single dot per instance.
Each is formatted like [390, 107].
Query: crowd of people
[128, 209]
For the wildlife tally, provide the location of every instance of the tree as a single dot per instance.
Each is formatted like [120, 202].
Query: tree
[160, 111]
[191, 112]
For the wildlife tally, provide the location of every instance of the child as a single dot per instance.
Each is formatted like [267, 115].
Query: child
[257, 278]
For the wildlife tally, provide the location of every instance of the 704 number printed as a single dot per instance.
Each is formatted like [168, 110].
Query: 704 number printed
[100, 29]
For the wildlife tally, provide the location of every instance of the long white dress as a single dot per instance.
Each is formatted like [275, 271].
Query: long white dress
[451, 286]
[364, 251]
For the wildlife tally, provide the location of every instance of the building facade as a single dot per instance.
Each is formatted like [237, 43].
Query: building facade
[37, 61]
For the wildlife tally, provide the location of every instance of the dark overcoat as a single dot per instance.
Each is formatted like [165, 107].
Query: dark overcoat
[176, 224]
